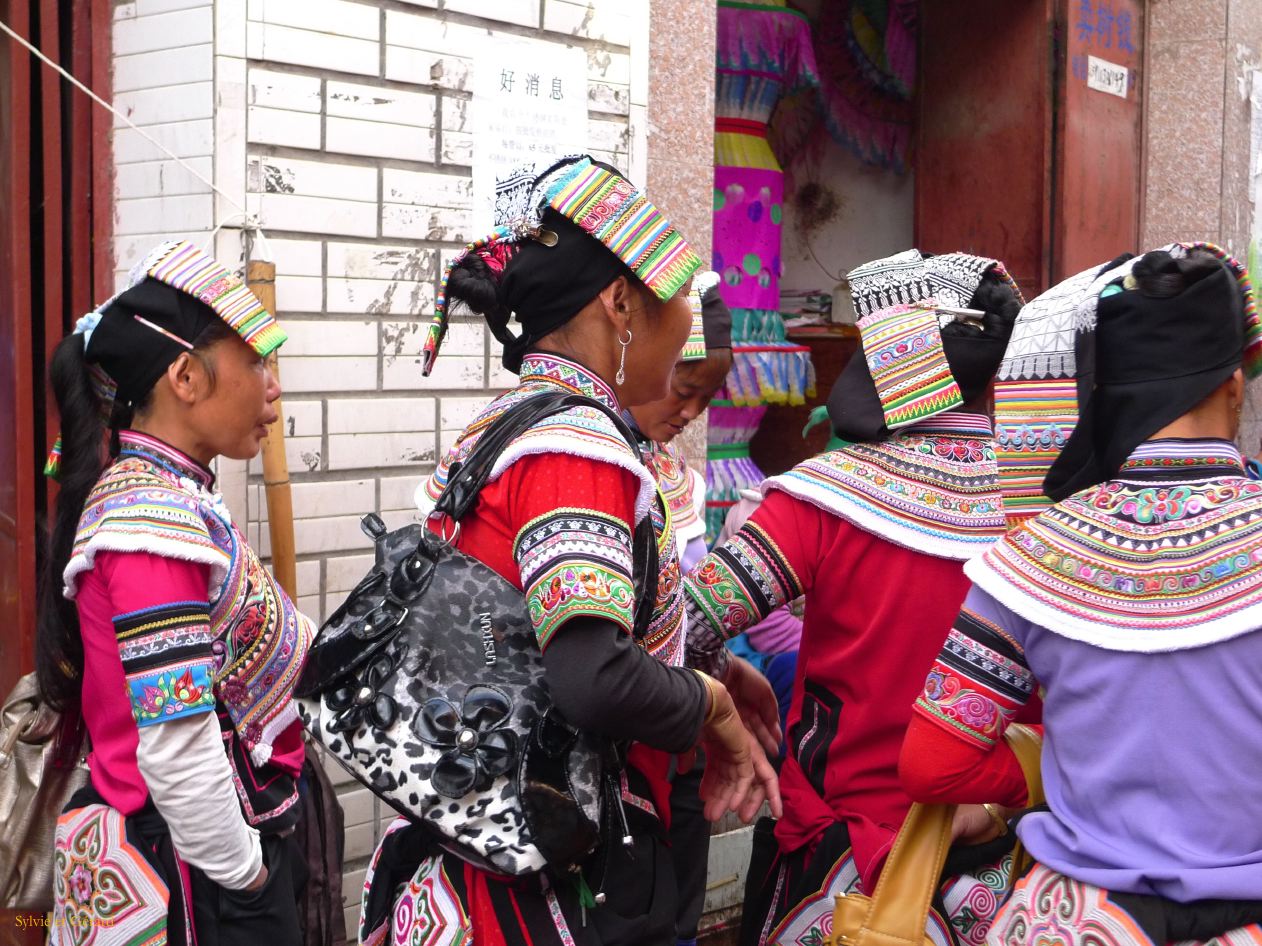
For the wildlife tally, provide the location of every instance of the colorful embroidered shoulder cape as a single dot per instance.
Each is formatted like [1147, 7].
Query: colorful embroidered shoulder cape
[932, 487]
[578, 431]
[1167, 556]
[155, 499]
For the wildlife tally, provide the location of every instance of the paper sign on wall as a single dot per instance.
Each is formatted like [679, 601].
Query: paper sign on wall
[1105, 76]
[529, 103]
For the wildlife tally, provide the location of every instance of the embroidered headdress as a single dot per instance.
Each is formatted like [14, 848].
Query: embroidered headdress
[711, 318]
[172, 295]
[562, 236]
[913, 366]
[1052, 368]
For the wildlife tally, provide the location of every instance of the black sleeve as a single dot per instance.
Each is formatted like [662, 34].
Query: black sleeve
[602, 682]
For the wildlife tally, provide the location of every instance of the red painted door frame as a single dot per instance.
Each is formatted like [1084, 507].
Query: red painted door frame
[56, 185]
[17, 485]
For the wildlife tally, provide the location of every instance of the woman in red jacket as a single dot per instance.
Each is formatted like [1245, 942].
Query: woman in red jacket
[598, 281]
[875, 535]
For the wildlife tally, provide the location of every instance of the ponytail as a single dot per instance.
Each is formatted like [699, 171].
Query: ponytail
[58, 645]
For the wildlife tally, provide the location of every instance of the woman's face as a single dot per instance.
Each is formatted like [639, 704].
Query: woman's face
[658, 330]
[691, 388]
[231, 419]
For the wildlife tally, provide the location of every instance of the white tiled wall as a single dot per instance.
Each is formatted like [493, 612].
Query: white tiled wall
[342, 124]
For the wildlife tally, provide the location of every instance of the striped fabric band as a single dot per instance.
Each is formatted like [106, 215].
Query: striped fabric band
[1252, 322]
[167, 661]
[741, 582]
[1172, 456]
[575, 562]
[137, 444]
[619, 215]
[694, 347]
[978, 683]
[903, 348]
[188, 269]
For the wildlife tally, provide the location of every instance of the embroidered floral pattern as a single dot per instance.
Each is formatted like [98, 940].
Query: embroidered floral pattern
[978, 682]
[1050, 908]
[575, 561]
[104, 891]
[167, 661]
[1137, 564]
[740, 583]
[565, 591]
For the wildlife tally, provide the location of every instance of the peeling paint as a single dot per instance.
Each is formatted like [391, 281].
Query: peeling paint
[1246, 65]
[277, 180]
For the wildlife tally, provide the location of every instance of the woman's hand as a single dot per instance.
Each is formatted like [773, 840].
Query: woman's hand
[259, 881]
[755, 702]
[737, 775]
[974, 824]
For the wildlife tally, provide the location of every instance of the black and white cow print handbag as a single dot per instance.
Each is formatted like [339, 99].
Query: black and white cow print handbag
[427, 685]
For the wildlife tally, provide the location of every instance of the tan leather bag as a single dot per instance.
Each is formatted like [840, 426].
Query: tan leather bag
[896, 912]
[33, 791]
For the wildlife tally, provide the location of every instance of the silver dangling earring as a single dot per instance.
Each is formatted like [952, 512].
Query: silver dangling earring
[621, 376]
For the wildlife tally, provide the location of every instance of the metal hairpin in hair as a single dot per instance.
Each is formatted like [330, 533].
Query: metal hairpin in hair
[523, 229]
[161, 331]
[968, 316]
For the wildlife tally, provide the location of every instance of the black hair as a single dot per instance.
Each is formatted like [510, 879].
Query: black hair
[998, 300]
[84, 456]
[475, 284]
[1158, 275]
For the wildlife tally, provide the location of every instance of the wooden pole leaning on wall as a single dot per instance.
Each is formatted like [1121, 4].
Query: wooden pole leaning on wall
[261, 277]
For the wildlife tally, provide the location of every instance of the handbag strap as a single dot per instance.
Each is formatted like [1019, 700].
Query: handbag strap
[900, 904]
[904, 892]
[466, 478]
[1027, 745]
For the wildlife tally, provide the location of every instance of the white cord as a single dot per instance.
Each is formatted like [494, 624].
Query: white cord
[249, 223]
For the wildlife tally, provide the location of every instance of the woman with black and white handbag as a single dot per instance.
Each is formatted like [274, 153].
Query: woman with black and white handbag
[598, 280]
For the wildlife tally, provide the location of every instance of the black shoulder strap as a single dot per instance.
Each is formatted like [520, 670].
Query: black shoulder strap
[466, 479]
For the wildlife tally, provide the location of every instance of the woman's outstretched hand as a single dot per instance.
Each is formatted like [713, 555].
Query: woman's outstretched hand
[737, 775]
[755, 702]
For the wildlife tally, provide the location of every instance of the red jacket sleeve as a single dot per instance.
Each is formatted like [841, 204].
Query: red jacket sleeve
[560, 527]
[954, 750]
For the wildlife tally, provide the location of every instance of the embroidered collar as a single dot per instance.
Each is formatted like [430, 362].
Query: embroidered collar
[1177, 459]
[133, 443]
[1167, 556]
[553, 370]
[933, 487]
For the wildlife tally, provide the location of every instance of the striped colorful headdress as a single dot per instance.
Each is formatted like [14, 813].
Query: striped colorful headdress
[619, 215]
[903, 349]
[187, 269]
[602, 203]
[695, 346]
[182, 265]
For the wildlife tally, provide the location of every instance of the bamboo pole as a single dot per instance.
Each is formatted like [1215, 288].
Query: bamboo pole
[261, 277]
